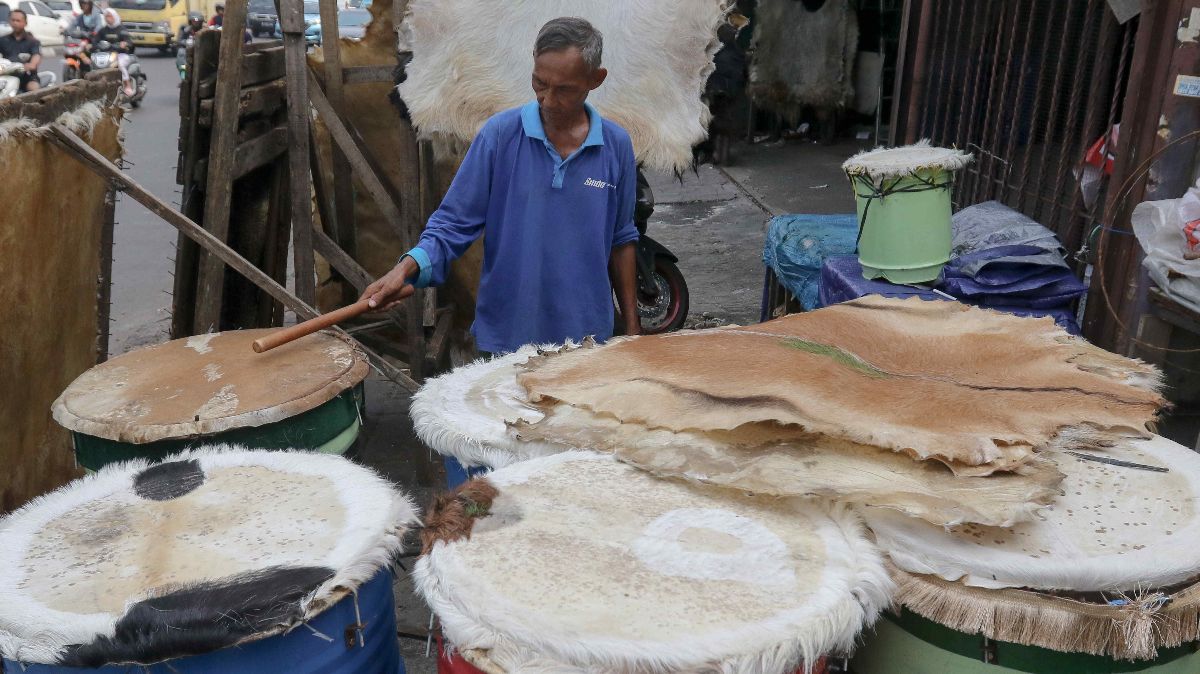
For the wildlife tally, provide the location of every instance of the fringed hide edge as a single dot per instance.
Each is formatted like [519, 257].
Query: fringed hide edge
[452, 515]
[80, 121]
[1134, 630]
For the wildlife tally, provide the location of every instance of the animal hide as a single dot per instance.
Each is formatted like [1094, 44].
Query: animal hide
[774, 461]
[1132, 630]
[802, 58]
[472, 59]
[464, 412]
[50, 250]
[211, 548]
[930, 379]
[207, 384]
[1113, 529]
[675, 577]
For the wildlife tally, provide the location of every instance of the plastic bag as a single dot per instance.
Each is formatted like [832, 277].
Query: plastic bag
[1169, 232]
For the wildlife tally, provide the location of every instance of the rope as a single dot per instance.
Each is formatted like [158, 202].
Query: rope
[885, 190]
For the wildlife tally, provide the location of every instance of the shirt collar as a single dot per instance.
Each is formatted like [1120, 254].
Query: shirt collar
[531, 120]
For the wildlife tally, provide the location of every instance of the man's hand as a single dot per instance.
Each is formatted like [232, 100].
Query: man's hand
[622, 272]
[385, 292]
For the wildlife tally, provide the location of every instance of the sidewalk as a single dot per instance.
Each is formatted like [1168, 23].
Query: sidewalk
[717, 231]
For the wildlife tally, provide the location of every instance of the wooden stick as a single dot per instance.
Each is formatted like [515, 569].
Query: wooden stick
[294, 332]
[77, 149]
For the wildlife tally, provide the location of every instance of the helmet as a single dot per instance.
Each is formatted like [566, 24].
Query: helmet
[196, 20]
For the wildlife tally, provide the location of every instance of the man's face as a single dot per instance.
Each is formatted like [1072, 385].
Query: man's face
[17, 21]
[562, 81]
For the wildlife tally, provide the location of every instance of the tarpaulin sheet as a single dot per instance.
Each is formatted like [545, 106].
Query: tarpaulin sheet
[797, 244]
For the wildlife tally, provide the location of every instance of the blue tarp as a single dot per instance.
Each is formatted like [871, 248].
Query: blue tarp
[798, 244]
[319, 648]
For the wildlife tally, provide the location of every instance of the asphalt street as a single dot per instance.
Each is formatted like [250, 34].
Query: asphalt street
[144, 245]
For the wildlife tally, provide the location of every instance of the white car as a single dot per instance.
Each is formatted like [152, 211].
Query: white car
[66, 10]
[42, 24]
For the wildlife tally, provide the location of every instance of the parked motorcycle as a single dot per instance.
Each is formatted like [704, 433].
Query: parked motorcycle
[662, 292]
[105, 56]
[10, 81]
[74, 46]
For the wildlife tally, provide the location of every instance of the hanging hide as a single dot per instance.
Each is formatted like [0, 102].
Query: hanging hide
[141, 563]
[585, 564]
[1115, 528]
[774, 461]
[473, 59]
[51, 247]
[801, 57]
[930, 379]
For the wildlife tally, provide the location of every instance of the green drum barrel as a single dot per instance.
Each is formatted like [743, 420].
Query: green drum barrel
[910, 644]
[905, 233]
[213, 389]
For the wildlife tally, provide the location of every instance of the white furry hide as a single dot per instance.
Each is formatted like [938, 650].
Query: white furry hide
[895, 162]
[472, 59]
[1113, 529]
[116, 548]
[587, 564]
[801, 58]
[81, 121]
[465, 413]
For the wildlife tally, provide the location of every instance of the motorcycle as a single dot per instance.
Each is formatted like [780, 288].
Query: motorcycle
[10, 81]
[181, 56]
[105, 56]
[662, 292]
[74, 46]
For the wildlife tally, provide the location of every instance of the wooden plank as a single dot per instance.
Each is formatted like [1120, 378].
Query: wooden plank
[369, 74]
[343, 229]
[258, 67]
[254, 153]
[77, 149]
[277, 238]
[291, 20]
[425, 169]
[363, 166]
[440, 341]
[104, 278]
[260, 99]
[222, 155]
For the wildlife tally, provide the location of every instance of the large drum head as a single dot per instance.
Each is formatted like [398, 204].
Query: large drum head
[1114, 528]
[142, 563]
[207, 384]
[465, 413]
[592, 563]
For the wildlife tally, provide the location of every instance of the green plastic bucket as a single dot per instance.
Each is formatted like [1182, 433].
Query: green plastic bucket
[905, 225]
[910, 644]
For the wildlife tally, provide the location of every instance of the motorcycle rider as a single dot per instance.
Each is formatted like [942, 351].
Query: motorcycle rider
[218, 18]
[19, 42]
[118, 37]
[89, 19]
[195, 24]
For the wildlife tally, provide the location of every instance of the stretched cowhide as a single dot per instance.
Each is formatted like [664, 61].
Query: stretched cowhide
[583, 563]
[1115, 528]
[802, 57]
[978, 390]
[142, 563]
[464, 413]
[473, 58]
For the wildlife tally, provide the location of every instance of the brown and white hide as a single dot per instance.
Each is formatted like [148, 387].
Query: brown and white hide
[473, 58]
[928, 378]
[770, 460]
[802, 58]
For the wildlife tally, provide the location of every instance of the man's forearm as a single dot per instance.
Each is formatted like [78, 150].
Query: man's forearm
[622, 272]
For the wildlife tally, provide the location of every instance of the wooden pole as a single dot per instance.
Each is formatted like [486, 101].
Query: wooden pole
[104, 279]
[291, 22]
[219, 186]
[77, 149]
[343, 229]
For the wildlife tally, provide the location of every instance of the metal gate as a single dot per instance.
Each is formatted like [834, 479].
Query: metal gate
[1027, 86]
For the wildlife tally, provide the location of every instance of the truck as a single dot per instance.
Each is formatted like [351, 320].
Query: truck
[156, 23]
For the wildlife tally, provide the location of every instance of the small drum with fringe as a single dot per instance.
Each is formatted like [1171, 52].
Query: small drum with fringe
[214, 560]
[1105, 581]
[577, 562]
[464, 416]
[213, 388]
[903, 199]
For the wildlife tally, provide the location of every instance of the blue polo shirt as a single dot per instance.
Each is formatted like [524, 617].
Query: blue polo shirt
[551, 225]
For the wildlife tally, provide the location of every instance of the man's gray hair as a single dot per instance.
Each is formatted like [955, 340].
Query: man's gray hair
[571, 31]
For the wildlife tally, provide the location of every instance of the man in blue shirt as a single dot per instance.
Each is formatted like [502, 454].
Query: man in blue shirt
[552, 184]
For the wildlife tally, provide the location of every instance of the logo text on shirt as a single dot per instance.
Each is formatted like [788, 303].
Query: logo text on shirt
[592, 182]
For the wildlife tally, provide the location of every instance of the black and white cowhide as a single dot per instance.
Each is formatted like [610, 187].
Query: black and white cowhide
[142, 563]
